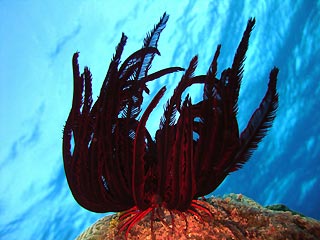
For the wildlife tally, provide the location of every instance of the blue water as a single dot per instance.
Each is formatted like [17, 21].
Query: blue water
[38, 39]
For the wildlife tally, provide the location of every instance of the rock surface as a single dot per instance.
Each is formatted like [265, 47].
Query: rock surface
[233, 217]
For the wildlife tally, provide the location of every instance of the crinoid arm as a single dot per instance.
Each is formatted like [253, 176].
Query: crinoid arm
[259, 124]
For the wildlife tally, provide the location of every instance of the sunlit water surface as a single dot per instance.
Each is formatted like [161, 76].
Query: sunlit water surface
[38, 39]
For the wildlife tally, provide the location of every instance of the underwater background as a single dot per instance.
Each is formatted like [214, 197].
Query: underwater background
[38, 39]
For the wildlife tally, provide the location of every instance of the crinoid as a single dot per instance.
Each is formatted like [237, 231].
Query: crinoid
[111, 161]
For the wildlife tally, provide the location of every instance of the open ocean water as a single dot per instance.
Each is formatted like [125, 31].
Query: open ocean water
[38, 38]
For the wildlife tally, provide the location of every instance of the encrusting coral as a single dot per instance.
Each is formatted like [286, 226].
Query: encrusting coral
[233, 217]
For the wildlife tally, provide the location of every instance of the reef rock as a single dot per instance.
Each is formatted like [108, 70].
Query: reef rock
[234, 216]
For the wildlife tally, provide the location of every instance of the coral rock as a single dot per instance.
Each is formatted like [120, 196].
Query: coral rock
[233, 217]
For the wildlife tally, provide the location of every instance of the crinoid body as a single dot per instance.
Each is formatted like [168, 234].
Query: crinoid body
[111, 161]
[159, 214]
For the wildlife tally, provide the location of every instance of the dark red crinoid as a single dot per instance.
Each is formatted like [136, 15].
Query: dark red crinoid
[111, 161]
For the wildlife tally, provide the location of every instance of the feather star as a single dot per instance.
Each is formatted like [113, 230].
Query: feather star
[111, 161]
